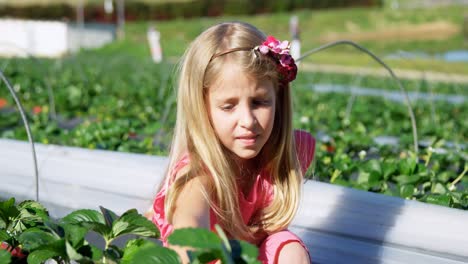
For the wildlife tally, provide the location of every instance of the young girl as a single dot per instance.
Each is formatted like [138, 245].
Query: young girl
[235, 160]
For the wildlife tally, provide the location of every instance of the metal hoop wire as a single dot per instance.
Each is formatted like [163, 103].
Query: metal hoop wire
[28, 130]
[372, 55]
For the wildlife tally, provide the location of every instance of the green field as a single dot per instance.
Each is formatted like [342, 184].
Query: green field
[115, 98]
[383, 31]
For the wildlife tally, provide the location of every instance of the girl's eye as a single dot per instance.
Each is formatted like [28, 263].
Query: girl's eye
[262, 102]
[227, 107]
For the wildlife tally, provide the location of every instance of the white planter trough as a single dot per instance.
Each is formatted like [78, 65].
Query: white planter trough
[339, 225]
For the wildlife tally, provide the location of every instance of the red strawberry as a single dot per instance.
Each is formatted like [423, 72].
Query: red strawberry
[37, 109]
[3, 103]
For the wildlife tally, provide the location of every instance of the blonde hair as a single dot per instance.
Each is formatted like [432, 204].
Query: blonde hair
[194, 135]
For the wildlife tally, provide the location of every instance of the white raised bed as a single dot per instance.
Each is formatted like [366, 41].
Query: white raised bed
[339, 225]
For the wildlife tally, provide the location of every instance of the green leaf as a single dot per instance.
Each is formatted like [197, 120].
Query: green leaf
[55, 228]
[223, 237]
[131, 222]
[405, 179]
[408, 166]
[373, 165]
[75, 234]
[406, 190]
[444, 199]
[147, 252]
[438, 188]
[91, 251]
[109, 216]
[5, 205]
[388, 169]
[34, 208]
[201, 256]
[195, 238]
[34, 238]
[90, 219]
[84, 216]
[40, 256]
[71, 252]
[113, 252]
[363, 177]
[3, 235]
[7, 211]
[244, 251]
[5, 256]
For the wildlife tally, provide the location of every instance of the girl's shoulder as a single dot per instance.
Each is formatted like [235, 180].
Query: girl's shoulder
[305, 148]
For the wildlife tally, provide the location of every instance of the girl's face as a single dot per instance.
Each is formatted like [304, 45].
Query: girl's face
[242, 111]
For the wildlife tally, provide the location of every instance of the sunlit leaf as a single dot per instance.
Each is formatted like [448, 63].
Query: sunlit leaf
[147, 252]
[90, 219]
[196, 238]
[131, 222]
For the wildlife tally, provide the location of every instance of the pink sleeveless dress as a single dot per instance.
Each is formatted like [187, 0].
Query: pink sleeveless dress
[258, 197]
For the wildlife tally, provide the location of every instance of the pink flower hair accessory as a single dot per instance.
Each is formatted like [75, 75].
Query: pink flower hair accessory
[279, 51]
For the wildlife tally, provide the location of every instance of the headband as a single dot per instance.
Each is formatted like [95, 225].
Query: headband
[278, 51]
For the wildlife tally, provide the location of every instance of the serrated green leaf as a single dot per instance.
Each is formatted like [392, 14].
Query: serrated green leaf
[143, 251]
[84, 216]
[406, 190]
[405, 179]
[71, 252]
[408, 166]
[444, 199]
[438, 188]
[34, 208]
[54, 228]
[109, 216]
[133, 223]
[113, 252]
[75, 234]
[90, 219]
[5, 256]
[363, 177]
[8, 211]
[3, 235]
[201, 256]
[388, 169]
[5, 204]
[40, 256]
[223, 237]
[249, 253]
[90, 252]
[195, 238]
[33, 238]
[373, 165]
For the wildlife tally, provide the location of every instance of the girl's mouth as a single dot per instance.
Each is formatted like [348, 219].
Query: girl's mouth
[248, 139]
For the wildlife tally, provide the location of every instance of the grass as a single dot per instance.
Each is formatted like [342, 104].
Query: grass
[422, 30]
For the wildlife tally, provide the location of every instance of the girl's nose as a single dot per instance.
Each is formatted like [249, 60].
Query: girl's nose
[247, 118]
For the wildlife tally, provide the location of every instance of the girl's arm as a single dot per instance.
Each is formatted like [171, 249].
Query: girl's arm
[191, 210]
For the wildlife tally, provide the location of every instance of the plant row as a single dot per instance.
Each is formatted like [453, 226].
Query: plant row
[29, 235]
[123, 104]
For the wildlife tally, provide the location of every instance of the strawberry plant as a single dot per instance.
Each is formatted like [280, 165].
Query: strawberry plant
[29, 235]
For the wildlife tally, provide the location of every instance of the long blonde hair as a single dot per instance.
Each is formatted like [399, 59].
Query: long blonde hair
[194, 135]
